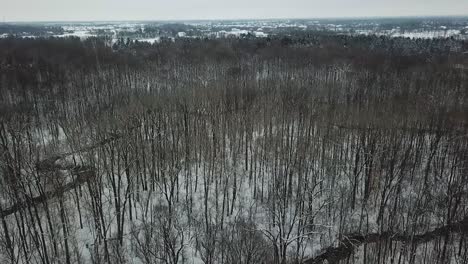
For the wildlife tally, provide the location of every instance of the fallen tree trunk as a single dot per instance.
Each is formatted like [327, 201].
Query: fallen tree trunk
[50, 163]
[351, 242]
[82, 175]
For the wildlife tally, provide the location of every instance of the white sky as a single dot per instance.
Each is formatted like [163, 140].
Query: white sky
[67, 10]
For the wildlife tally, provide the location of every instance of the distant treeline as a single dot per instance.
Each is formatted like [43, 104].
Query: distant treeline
[318, 48]
[29, 30]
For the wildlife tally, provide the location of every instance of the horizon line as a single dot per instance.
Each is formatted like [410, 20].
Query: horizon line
[236, 19]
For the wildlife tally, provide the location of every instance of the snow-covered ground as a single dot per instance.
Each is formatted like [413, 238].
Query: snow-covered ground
[259, 28]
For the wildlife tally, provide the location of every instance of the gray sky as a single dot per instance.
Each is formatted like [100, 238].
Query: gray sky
[63, 10]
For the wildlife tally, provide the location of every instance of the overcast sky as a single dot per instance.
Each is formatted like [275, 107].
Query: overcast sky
[62, 10]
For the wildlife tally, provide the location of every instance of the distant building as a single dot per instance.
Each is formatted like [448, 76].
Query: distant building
[260, 34]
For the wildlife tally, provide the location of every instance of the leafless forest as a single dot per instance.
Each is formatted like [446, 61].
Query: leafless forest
[301, 149]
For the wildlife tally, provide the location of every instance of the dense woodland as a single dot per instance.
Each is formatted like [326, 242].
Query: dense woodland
[306, 148]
